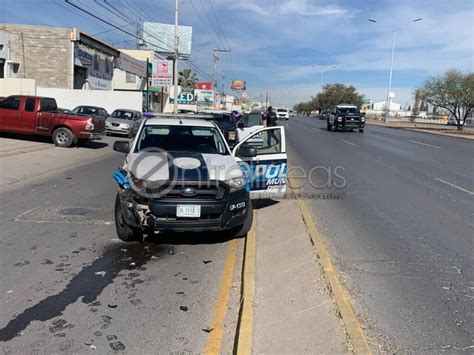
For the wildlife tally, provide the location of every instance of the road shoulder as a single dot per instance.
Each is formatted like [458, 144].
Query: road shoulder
[294, 311]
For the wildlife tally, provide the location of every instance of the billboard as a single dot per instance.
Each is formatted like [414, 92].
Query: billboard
[204, 97]
[205, 85]
[160, 37]
[238, 85]
[162, 73]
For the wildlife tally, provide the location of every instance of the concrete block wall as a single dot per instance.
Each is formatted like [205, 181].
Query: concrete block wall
[47, 53]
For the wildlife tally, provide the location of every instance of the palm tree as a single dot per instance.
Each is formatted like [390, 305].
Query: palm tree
[187, 79]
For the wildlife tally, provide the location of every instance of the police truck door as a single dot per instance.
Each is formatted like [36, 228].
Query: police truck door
[267, 171]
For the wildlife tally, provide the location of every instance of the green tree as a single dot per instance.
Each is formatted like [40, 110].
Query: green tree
[453, 91]
[187, 79]
[335, 94]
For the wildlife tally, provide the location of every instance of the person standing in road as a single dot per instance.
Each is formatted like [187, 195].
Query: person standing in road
[270, 117]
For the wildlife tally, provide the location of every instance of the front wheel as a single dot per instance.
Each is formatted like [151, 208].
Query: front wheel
[242, 230]
[328, 126]
[63, 137]
[125, 232]
[361, 130]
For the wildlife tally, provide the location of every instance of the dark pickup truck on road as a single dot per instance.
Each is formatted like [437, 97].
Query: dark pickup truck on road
[40, 116]
[345, 117]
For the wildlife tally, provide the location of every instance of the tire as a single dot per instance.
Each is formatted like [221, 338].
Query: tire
[361, 130]
[335, 127]
[328, 126]
[124, 231]
[63, 137]
[242, 230]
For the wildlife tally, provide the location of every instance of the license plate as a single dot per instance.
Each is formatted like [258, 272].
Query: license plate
[188, 211]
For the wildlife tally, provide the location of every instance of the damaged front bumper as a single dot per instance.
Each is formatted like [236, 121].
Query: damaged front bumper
[160, 214]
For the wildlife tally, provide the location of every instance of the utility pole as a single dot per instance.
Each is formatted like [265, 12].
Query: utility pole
[215, 57]
[389, 95]
[176, 55]
[389, 98]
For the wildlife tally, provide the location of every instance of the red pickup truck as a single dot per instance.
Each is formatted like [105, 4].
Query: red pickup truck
[40, 116]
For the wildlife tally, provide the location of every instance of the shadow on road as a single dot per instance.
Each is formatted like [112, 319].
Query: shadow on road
[47, 140]
[88, 284]
[258, 204]
[190, 238]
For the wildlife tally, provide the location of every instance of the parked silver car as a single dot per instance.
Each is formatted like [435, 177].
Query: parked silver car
[124, 122]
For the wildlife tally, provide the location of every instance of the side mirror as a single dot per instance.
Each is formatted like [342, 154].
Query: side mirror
[247, 152]
[241, 125]
[122, 146]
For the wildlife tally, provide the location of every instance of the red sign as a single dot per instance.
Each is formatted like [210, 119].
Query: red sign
[206, 85]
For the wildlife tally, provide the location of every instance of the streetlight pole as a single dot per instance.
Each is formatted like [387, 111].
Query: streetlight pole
[176, 55]
[387, 102]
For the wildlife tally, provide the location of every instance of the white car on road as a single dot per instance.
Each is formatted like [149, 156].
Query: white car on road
[283, 113]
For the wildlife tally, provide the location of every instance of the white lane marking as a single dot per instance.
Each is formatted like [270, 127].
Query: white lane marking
[454, 186]
[350, 143]
[425, 144]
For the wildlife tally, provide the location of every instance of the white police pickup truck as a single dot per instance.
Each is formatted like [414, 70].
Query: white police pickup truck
[180, 175]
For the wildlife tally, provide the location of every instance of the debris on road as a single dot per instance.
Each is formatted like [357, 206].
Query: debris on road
[132, 264]
[183, 308]
[112, 305]
[100, 273]
[10, 291]
[207, 330]
[180, 293]
[207, 261]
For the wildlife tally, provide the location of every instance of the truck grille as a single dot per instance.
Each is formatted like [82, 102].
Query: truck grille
[197, 191]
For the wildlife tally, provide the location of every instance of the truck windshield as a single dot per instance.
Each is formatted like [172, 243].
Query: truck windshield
[348, 110]
[222, 117]
[282, 110]
[194, 139]
[252, 119]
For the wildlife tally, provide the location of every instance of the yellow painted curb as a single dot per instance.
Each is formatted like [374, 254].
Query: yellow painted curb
[214, 340]
[353, 327]
[244, 338]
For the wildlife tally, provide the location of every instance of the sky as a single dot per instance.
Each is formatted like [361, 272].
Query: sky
[286, 47]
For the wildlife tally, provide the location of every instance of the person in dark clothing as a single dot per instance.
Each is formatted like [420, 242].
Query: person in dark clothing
[270, 117]
[271, 121]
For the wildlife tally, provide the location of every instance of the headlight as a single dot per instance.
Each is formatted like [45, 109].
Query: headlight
[125, 125]
[339, 119]
[362, 119]
[236, 184]
[231, 135]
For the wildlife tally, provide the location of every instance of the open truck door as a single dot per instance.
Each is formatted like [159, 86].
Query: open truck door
[266, 169]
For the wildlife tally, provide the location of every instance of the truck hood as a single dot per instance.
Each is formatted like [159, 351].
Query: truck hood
[182, 166]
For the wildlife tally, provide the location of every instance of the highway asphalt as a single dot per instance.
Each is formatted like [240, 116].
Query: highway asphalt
[400, 230]
[70, 286]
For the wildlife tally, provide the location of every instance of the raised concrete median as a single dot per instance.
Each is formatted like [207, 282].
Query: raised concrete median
[288, 306]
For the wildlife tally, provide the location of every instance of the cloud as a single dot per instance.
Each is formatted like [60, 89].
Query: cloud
[290, 7]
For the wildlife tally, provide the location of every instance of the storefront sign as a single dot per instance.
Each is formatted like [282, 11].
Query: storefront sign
[162, 73]
[204, 96]
[239, 85]
[131, 65]
[99, 84]
[83, 54]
